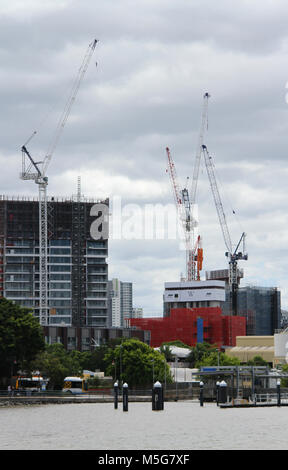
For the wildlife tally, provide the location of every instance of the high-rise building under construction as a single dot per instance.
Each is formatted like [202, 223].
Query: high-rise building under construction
[76, 258]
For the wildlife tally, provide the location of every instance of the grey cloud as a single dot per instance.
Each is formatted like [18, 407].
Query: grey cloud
[155, 61]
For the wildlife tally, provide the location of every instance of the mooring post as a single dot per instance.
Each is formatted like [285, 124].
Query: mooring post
[217, 392]
[116, 392]
[278, 392]
[157, 397]
[223, 392]
[125, 396]
[201, 393]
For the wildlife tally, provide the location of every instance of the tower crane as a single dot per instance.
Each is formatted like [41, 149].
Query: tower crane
[194, 255]
[204, 125]
[185, 203]
[232, 255]
[37, 171]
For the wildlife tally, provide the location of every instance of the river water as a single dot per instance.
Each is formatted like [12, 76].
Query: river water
[181, 425]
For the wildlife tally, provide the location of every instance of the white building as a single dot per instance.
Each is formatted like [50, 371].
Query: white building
[137, 312]
[193, 294]
[120, 303]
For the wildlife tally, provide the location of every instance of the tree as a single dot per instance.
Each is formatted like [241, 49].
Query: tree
[199, 352]
[56, 363]
[21, 337]
[257, 361]
[137, 364]
[211, 359]
[284, 380]
[96, 359]
[166, 351]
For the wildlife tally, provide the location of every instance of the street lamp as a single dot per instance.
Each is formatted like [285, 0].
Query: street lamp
[176, 378]
[218, 357]
[120, 371]
[152, 360]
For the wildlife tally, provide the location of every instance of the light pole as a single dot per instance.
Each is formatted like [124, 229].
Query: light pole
[176, 378]
[120, 364]
[218, 357]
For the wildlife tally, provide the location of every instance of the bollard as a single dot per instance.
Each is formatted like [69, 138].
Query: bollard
[278, 392]
[223, 392]
[125, 396]
[157, 397]
[217, 392]
[201, 396]
[116, 391]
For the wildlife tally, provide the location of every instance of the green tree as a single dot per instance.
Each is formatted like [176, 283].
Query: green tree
[212, 358]
[137, 364]
[257, 361]
[56, 363]
[284, 381]
[95, 360]
[166, 351]
[199, 352]
[21, 337]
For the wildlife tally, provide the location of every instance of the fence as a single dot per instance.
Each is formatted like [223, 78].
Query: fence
[171, 393]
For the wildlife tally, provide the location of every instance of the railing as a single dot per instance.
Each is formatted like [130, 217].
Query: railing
[170, 394]
[270, 397]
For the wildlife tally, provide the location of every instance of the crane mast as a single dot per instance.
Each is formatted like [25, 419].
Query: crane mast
[183, 205]
[31, 170]
[204, 123]
[217, 199]
[233, 256]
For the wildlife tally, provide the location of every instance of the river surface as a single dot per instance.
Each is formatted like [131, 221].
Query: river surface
[181, 425]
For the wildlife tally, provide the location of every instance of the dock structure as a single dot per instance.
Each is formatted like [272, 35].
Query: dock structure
[245, 386]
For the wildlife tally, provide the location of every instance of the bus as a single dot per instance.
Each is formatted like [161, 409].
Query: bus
[75, 385]
[31, 385]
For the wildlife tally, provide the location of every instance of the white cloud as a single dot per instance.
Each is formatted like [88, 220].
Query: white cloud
[154, 62]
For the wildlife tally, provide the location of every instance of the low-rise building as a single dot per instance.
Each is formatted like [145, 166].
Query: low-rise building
[247, 347]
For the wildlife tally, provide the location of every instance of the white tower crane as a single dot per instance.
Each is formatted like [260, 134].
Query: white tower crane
[204, 125]
[183, 206]
[233, 255]
[37, 171]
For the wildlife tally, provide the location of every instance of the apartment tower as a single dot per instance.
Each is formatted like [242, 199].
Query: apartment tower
[77, 252]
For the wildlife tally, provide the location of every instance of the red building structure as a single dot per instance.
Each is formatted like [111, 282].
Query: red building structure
[183, 324]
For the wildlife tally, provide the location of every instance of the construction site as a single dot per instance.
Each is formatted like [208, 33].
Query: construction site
[51, 262]
[215, 309]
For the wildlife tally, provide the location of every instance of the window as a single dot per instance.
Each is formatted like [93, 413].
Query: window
[59, 242]
[59, 251]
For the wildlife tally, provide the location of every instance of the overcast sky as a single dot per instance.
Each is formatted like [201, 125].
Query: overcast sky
[141, 93]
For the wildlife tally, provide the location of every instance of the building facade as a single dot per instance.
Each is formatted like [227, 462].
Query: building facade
[192, 326]
[137, 312]
[87, 338]
[193, 294]
[261, 306]
[77, 266]
[115, 317]
[120, 302]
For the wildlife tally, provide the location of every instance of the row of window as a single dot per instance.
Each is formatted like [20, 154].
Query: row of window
[58, 242]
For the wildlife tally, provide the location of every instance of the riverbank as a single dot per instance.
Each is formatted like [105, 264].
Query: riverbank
[35, 400]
